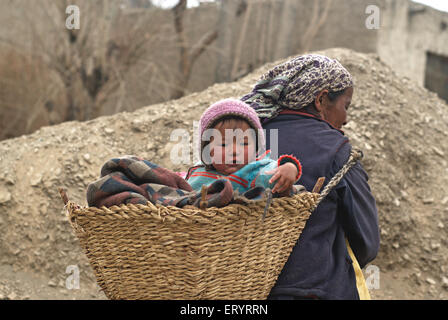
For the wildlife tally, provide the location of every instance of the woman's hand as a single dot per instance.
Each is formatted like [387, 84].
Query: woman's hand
[285, 175]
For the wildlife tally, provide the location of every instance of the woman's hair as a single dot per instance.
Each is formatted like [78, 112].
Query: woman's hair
[335, 94]
[332, 96]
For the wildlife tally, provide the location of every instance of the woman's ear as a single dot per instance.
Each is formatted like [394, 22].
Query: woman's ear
[319, 101]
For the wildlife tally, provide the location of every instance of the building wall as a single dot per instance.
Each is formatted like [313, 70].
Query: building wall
[346, 27]
[408, 32]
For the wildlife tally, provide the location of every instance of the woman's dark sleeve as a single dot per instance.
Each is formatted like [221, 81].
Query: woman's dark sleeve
[358, 214]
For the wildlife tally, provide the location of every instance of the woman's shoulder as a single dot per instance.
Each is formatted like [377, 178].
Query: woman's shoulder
[304, 125]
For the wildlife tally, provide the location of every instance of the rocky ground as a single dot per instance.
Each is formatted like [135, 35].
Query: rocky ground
[401, 127]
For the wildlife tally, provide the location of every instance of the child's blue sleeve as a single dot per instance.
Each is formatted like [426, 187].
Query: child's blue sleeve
[262, 179]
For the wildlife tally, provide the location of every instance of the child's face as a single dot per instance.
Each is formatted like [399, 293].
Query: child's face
[235, 149]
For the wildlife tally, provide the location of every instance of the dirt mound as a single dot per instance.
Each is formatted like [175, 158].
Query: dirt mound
[401, 127]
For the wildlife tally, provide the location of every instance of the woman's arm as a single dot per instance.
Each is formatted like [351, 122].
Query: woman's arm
[358, 214]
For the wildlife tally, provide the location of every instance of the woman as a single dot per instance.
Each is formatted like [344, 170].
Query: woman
[306, 99]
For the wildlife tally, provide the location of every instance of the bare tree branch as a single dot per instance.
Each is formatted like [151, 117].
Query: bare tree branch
[241, 38]
[187, 57]
[203, 44]
[318, 18]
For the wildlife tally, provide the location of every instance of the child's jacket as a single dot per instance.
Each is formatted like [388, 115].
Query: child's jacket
[250, 176]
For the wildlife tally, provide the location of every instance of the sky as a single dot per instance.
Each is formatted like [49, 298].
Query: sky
[441, 5]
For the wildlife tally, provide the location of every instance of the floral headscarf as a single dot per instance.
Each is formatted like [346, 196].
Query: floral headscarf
[296, 83]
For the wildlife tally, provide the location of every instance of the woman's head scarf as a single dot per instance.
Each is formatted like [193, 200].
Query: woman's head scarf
[296, 83]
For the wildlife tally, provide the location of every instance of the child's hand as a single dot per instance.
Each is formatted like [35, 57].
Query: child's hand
[285, 175]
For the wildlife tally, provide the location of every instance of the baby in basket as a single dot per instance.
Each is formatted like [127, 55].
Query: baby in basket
[232, 147]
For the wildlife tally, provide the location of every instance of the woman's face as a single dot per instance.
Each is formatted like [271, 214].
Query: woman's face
[335, 112]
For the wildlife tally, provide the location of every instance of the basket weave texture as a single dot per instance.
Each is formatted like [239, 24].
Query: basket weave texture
[158, 252]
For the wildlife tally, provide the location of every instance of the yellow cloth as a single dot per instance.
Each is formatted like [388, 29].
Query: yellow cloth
[361, 285]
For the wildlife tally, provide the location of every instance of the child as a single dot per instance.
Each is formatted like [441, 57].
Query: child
[231, 137]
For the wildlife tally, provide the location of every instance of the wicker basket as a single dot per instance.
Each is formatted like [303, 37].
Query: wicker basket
[158, 252]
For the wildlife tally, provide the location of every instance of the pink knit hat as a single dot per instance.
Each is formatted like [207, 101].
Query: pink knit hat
[231, 107]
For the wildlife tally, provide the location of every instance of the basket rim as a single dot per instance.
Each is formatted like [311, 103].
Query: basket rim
[189, 213]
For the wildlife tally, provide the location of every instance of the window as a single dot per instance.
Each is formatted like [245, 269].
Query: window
[436, 75]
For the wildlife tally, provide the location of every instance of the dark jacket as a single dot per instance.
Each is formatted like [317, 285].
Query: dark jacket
[319, 265]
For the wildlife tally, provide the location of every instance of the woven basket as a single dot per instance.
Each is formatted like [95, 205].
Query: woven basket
[159, 252]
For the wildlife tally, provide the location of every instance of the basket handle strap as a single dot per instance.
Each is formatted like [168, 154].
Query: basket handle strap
[355, 155]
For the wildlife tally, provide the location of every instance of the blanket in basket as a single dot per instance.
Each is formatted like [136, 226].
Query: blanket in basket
[132, 180]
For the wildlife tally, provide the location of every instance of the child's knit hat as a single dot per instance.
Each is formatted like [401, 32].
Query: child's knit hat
[233, 107]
